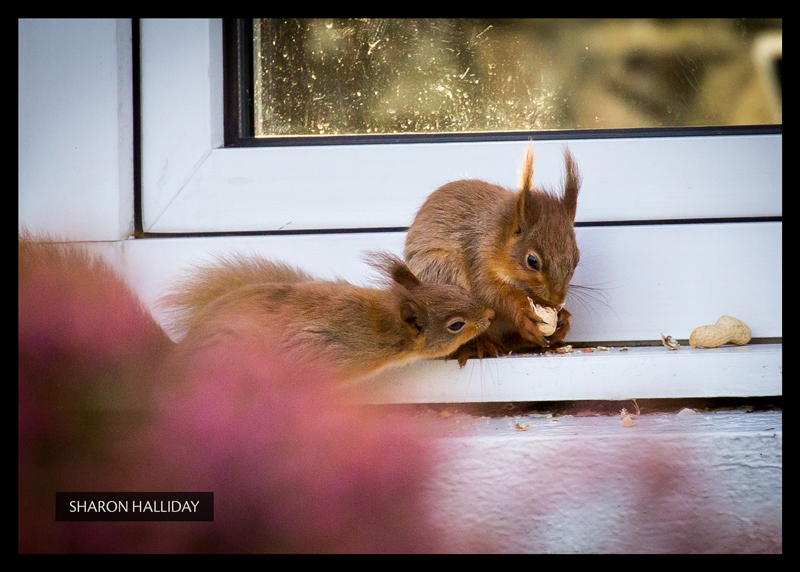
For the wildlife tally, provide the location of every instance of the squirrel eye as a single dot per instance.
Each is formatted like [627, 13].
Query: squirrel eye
[532, 261]
[456, 325]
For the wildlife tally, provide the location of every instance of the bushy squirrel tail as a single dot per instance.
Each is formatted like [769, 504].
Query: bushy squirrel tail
[204, 283]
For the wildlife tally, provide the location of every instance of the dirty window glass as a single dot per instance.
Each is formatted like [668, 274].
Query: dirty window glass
[391, 76]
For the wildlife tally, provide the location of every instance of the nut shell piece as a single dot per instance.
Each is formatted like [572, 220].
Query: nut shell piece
[548, 316]
[727, 330]
[670, 343]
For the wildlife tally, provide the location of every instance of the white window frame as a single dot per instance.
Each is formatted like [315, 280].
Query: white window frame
[192, 184]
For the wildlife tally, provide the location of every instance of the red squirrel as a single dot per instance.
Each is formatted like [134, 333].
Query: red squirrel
[507, 248]
[352, 330]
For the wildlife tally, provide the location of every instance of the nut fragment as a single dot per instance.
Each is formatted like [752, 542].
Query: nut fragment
[548, 316]
[670, 342]
[627, 418]
[727, 330]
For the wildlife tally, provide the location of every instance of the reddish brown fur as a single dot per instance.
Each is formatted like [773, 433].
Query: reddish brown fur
[350, 329]
[202, 284]
[478, 235]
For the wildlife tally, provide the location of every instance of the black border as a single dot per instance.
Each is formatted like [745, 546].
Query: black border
[237, 41]
[478, 137]
[136, 80]
[361, 230]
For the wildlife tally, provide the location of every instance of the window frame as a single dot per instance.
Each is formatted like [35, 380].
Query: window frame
[199, 177]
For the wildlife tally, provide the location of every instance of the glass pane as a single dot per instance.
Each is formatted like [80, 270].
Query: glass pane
[386, 76]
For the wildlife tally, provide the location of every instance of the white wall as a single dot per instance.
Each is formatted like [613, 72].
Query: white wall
[75, 128]
[672, 483]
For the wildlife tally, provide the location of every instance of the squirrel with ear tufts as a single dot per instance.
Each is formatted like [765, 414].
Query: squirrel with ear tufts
[511, 250]
[352, 331]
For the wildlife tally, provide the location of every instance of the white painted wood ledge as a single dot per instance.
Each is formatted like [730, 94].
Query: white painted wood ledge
[616, 375]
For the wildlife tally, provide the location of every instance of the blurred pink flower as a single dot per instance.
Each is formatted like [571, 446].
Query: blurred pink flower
[294, 466]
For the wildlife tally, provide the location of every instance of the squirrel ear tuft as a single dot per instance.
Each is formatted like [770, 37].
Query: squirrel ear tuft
[526, 176]
[402, 274]
[394, 269]
[411, 316]
[527, 211]
[572, 185]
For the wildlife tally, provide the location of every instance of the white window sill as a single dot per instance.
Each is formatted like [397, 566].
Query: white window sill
[636, 373]
[151, 265]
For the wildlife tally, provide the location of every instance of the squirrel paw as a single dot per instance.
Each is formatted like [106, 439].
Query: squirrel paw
[562, 328]
[479, 348]
[528, 326]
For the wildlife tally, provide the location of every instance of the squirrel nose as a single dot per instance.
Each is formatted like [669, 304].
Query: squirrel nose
[489, 314]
